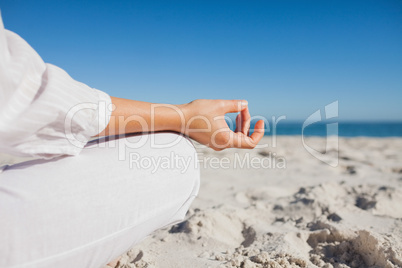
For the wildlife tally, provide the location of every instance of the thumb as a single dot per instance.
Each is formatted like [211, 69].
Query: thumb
[235, 106]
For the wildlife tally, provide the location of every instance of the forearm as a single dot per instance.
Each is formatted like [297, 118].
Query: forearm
[131, 116]
[201, 120]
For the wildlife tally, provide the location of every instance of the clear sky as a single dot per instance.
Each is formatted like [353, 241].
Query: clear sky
[285, 57]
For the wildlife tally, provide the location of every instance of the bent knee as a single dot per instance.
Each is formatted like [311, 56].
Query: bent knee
[183, 156]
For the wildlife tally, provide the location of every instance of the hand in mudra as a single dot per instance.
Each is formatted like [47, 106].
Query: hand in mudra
[205, 123]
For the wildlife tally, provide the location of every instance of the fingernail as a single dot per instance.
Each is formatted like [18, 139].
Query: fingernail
[244, 103]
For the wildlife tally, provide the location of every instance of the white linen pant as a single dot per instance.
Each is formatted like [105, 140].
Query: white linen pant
[86, 210]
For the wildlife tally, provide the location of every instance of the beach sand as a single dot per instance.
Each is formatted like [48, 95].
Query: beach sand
[288, 209]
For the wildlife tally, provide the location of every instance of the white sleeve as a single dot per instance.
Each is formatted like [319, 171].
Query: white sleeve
[43, 111]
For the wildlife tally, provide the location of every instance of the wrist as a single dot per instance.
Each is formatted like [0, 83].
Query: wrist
[168, 117]
[184, 113]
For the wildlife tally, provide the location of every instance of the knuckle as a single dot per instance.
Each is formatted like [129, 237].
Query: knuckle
[221, 104]
[235, 104]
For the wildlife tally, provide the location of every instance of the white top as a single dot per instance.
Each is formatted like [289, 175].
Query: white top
[43, 111]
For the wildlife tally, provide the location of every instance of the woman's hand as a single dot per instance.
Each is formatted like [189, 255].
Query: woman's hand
[205, 122]
[201, 120]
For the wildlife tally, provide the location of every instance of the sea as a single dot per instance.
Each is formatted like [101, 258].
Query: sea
[342, 129]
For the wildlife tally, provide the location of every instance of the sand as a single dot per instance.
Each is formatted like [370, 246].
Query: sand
[289, 209]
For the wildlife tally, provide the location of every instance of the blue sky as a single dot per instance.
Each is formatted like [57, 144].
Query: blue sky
[285, 57]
